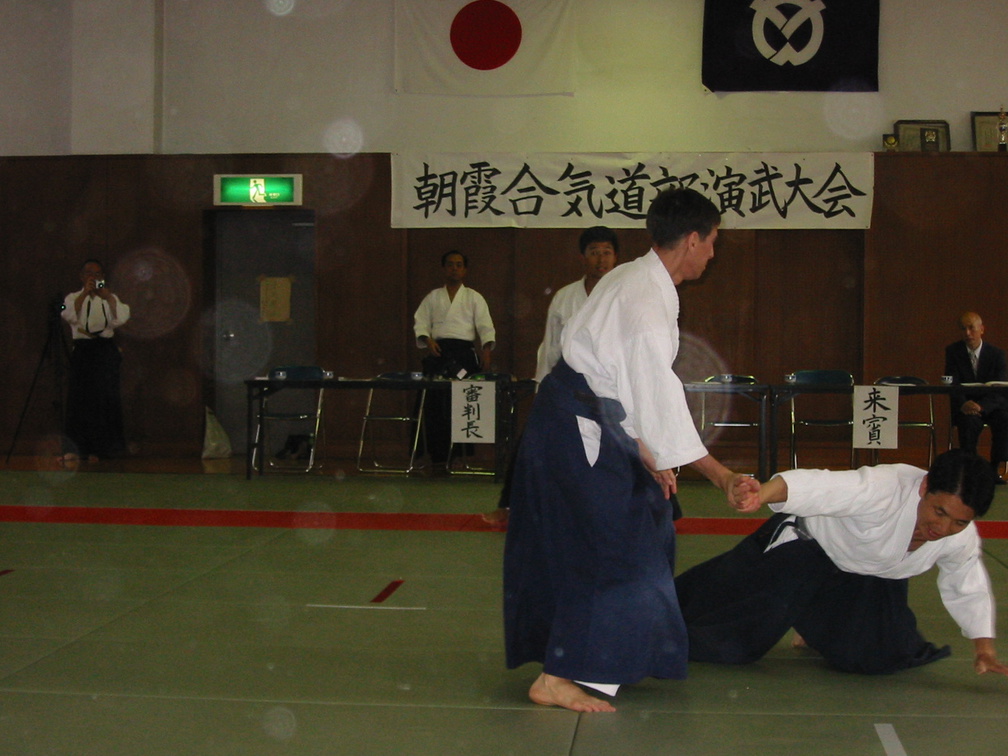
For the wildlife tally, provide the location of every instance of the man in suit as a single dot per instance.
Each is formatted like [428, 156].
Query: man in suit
[972, 360]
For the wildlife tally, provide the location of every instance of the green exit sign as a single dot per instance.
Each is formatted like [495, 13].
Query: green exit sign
[257, 189]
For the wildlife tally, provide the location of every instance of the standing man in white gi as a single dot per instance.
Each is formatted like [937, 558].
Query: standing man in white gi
[600, 250]
[590, 550]
[449, 322]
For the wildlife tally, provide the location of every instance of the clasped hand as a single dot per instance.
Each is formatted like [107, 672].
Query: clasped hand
[743, 492]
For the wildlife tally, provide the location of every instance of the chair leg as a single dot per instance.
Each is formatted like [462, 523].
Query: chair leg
[418, 430]
[363, 432]
[256, 449]
[264, 453]
[368, 427]
[313, 452]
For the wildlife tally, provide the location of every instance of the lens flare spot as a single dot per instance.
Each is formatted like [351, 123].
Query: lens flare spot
[239, 346]
[696, 361]
[343, 137]
[853, 116]
[280, 7]
[156, 288]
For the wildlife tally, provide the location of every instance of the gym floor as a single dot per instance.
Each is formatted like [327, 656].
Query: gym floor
[171, 611]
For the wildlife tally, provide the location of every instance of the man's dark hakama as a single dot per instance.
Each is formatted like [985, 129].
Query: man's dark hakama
[590, 550]
[738, 605]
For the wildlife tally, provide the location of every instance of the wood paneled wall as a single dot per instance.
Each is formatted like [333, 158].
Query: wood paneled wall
[879, 302]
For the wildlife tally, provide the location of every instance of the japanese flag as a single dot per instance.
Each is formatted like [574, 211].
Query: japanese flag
[483, 47]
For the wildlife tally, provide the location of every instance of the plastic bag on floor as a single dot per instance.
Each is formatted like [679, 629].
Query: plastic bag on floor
[216, 444]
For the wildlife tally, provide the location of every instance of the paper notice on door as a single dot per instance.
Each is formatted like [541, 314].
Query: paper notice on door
[275, 299]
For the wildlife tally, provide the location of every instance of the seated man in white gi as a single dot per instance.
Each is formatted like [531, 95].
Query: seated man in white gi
[834, 563]
[448, 322]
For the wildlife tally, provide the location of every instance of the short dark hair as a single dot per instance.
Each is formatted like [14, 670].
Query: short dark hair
[598, 234]
[94, 260]
[678, 212]
[444, 257]
[966, 475]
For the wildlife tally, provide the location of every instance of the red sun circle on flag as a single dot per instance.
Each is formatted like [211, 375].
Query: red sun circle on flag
[486, 34]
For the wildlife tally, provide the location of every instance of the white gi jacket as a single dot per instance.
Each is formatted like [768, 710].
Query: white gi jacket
[466, 317]
[567, 301]
[864, 520]
[624, 340]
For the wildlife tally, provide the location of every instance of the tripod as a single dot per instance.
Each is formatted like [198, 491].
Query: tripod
[56, 354]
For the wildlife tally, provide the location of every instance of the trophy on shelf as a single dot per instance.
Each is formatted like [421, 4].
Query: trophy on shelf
[1002, 131]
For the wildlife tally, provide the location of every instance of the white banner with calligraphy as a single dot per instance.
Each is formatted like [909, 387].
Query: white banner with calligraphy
[560, 190]
[473, 412]
[876, 417]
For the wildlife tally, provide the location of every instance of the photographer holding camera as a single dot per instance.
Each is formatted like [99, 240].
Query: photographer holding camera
[94, 424]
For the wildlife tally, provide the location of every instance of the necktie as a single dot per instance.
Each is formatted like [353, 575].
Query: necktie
[973, 362]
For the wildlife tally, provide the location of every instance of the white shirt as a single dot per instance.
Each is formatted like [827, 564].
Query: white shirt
[564, 304]
[624, 340]
[465, 317]
[95, 319]
[864, 520]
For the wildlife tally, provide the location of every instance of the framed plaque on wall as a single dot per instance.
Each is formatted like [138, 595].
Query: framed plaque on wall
[922, 136]
[985, 130]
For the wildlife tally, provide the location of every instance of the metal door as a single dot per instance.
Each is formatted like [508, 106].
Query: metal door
[251, 250]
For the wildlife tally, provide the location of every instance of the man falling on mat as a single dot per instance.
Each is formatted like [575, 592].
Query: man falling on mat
[834, 563]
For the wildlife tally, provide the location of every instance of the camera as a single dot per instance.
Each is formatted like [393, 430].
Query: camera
[100, 284]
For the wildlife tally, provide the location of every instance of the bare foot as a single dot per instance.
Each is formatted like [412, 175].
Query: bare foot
[550, 690]
[498, 518]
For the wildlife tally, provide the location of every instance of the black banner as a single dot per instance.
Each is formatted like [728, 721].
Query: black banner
[798, 45]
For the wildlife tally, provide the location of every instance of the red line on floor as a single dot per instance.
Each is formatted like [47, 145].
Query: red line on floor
[226, 518]
[238, 518]
[992, 529]
[718, 525]
[387, 591]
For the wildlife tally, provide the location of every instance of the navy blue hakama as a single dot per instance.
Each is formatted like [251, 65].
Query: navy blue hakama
[590, 551]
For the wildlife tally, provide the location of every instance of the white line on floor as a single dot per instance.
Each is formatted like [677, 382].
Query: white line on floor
[890, 740]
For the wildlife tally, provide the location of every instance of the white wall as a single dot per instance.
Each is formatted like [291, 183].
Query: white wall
[114, 77]
[234, 77]
[34, 77]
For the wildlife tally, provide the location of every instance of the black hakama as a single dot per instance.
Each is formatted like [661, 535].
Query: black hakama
[738, 605]
[94, 417]
[590, 550]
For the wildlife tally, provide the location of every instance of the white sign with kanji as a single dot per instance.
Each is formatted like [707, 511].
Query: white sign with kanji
[473, 412]
[876, 417]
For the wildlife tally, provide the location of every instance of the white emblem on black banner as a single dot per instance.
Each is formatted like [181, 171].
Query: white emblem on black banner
[809, 14]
